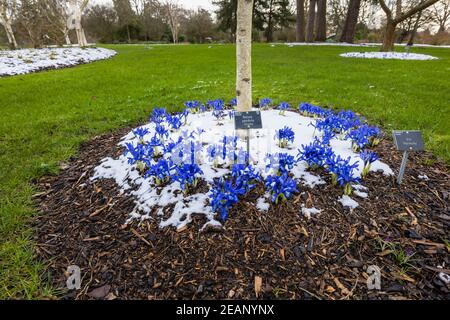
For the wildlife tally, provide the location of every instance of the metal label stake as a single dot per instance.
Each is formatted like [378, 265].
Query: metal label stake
[245, 121]
[407, 141]
[402, 167]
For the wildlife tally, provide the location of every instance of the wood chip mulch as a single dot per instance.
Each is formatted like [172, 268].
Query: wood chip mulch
[279, 254]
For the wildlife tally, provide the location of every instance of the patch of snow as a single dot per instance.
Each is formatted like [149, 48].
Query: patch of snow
[423, 177]
[388, 55]
[307, 212]
[348, 202]
[262, 204]
[152, 201]
[364, 44]
[14, 62]
[361, 194]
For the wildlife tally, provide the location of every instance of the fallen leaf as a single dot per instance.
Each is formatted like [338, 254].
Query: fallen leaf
[258, 285]
[282, 254]
[99, 292]
[384, 253]
[330, 289]
[343, 289]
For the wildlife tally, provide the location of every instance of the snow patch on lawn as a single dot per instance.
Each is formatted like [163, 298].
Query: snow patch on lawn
[388, 55]
[171, 207]
[14, 62]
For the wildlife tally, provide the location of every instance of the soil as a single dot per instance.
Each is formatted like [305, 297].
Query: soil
[279, 254]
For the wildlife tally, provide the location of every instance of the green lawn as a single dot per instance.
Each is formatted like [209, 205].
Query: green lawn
[44, 116]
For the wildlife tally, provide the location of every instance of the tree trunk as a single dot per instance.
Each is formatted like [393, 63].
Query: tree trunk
[311, 20]
[128, 33]
[244, 55]
[389, 36]
[301, 24]
[11, 38]
[269, 30]
[348, 33]
[414, 30]
[6, 23]
[321, 21]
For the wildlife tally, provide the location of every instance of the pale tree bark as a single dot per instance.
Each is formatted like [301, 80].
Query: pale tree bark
[244, 55]
[348, 33]
[300, 23]
[321, 20]
[6, 9]
[393, 20]
[173, 13]
[74, 20]
[311, 21]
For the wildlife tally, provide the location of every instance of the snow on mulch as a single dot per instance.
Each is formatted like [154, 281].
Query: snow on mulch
[204, 130]
[23, 61]
[388, 55]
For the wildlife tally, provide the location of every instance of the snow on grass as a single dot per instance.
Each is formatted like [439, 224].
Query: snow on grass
[388, 55]
[364, 44]
[348, 202]
[23, 61]
[171, 207]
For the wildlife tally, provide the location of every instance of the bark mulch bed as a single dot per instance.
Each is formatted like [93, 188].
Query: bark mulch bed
[275, 255]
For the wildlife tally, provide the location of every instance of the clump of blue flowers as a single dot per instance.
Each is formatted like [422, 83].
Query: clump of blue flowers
[187, 175]
[226, 192]
[264, 103]
[284, 136]
[367, 157]
[315, 154]
[342, 172]
[161, 171]
[283, 106]
[192, 106]
[280, 163]
[280, 187]
[364, 136]
[311, 110]
[223, 196]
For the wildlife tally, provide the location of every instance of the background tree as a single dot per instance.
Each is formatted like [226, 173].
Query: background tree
[393, 19]
[126, 16]
[199, 26]
[300, 22]
[7, 10]
[321, 20]
[348, 33]
[440, 14]
[311, 21]
[173, 13]
[101, 22]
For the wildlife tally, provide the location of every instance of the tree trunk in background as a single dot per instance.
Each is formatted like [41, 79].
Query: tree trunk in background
[414, 30]
[321, 21]
[301, 23]
[244, 55]
[389, 36]
[269, 30]
[348, 33]
[311, 21]
[5, 21]
[392, 22]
